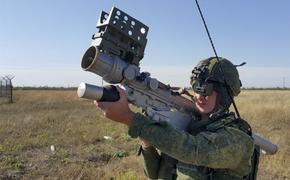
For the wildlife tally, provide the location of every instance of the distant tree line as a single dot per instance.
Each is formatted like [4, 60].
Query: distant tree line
[266, 88]
[43, 88]
[174, 88]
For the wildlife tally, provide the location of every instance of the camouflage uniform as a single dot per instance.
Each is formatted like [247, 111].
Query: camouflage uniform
[213, 148]
[225, 150]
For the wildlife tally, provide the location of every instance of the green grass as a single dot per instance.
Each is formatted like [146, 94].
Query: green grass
[39, 119]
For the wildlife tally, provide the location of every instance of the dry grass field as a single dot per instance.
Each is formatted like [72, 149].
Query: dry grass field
[38, 120]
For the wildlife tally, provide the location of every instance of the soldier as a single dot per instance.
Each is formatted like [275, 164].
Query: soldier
[217, 144]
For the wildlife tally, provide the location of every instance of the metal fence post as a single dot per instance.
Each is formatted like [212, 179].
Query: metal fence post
[11, 100]
[6, 88]
[0, 87]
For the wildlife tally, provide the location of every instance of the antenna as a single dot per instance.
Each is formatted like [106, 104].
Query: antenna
[217, 57]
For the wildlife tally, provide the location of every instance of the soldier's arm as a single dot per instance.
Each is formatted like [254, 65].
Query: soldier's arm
[227, 148]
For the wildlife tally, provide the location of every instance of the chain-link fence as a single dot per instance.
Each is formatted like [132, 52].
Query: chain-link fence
[6, 89]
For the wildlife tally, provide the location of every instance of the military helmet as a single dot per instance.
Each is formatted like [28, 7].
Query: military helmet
[215, 74]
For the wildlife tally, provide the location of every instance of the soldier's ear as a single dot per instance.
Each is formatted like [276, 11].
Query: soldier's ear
[218, 105]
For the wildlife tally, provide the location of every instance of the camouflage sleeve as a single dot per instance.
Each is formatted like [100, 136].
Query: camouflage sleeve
[226, 148]
[150, 161]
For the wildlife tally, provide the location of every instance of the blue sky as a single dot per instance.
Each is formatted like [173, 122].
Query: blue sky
[42, 42]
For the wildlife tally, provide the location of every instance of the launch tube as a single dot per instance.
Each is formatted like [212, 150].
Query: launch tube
[109, 67]
[107, 93]
[265, 145]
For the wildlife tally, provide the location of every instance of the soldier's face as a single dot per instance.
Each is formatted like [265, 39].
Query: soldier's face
[205, 104]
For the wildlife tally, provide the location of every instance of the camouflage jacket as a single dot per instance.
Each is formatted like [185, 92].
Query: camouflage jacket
[213, 153]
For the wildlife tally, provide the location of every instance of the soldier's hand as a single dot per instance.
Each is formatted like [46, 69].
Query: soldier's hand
[118, 111]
